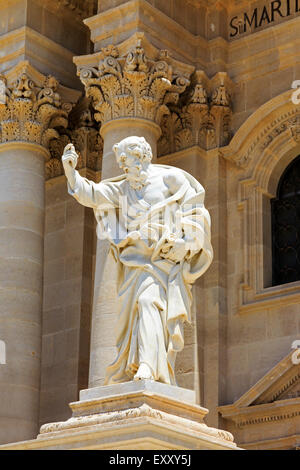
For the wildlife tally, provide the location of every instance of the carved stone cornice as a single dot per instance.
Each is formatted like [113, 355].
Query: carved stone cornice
[32, 107]
[132, 413]
[83, 133]
[133, 85]
[203, 117]
[261, 414]
[273, 398]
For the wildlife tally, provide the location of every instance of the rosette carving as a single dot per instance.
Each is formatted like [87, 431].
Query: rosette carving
[132, 85]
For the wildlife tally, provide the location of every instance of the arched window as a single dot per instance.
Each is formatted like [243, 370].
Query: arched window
[286, 226]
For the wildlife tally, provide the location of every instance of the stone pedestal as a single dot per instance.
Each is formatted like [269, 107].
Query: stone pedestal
[135, 416]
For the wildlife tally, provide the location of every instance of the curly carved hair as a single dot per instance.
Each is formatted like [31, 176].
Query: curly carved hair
[146, 154]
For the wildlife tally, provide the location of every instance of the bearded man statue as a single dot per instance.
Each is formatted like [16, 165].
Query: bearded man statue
[159, 231]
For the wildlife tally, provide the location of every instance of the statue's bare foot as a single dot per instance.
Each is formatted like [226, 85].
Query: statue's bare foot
[143, 373]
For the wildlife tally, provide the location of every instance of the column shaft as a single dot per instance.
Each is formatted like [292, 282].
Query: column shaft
[21, 274]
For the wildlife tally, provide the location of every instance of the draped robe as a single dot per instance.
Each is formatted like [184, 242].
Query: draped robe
[155, 292]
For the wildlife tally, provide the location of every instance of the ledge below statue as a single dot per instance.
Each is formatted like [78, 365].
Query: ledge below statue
[134, 416]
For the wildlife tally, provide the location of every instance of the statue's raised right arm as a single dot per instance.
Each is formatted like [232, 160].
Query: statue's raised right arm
[86, 192]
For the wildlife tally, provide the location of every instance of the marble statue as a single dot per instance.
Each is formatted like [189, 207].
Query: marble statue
[159, 232]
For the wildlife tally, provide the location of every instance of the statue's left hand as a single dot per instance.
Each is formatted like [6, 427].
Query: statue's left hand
[178, 251]
[175, 250]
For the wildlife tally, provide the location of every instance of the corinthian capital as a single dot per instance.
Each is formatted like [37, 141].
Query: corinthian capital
[188, 124]
[32, 107]
[203, 117]
[132, 84]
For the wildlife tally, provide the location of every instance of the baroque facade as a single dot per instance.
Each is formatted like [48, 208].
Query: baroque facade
[212, 86]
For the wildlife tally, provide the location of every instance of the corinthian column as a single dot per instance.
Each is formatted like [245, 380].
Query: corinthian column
[30, 109]
[131, 87]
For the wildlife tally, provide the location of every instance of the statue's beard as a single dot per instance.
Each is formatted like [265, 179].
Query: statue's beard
[136, 177]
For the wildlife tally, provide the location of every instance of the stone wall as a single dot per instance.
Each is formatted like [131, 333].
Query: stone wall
[68, 283]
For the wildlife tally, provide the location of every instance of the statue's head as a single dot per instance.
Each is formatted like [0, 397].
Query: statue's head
[134, 155]
[133, 146]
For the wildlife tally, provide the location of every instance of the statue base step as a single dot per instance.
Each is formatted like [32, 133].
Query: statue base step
[135, 416]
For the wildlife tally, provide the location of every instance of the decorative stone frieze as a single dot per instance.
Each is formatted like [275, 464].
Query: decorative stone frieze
[30, 111]
[286, 120]
[202, 118]
[83, 132]
[294, 125]
[132, 85]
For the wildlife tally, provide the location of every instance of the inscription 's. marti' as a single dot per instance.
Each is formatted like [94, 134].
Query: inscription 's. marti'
[262, 16]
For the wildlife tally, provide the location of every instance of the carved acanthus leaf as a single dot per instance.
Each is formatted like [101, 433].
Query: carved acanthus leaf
[220, 96]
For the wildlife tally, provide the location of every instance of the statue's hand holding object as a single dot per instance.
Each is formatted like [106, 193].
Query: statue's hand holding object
[69, 157]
